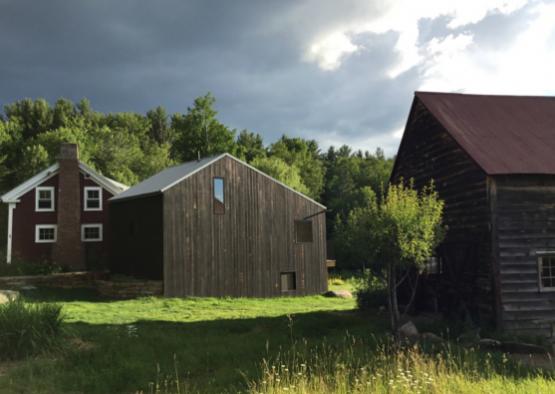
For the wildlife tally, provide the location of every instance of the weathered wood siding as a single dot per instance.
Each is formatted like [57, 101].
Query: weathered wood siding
[427, 153]
[243, 251]
[524, 224]
[137, 237]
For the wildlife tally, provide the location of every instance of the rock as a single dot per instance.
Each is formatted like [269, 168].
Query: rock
[8, 295]
[488, 343]
[431, 337]
[28, 287]
[339, 294]
[524, 348]
[408, 331]
[470, 338]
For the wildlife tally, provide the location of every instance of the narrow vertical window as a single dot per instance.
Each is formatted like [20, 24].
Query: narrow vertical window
[44, 199]
[546, 270]
[219, 202]
[93, 198]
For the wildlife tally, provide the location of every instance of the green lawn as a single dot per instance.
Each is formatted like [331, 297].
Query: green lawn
[115, 346]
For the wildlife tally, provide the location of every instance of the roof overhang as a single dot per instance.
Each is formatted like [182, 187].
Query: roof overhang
[109, 184]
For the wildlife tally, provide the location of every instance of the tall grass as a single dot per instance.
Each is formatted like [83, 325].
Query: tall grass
[28, 329]
[384, 368]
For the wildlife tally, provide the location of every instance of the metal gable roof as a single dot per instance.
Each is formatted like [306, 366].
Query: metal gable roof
[503, 134]
[169, 177]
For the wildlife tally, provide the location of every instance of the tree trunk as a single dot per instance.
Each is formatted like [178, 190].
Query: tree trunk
[392, 299]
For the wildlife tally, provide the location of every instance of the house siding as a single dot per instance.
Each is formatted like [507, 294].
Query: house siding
[466, 285]
[25, 219]
[243, 251]
[525, 224]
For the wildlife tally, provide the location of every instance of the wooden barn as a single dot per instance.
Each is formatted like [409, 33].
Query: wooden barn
[220, 227]
[493, 162]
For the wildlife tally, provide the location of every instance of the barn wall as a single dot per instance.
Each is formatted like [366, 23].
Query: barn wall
[137, 237]
[429, 152]
[242, 252]
[525, 224]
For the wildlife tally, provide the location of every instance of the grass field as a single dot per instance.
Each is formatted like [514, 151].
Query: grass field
[115, 346]
[304, 345]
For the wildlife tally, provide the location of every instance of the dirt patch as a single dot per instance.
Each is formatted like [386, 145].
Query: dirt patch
[6, 366]
[79, 344]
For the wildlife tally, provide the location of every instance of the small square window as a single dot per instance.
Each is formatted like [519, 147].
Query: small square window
[93, 198]
[546, 269]
[219, 202]
[303, 230]
[45, 233]
[288, 281]
[91, 232]
[44, 199]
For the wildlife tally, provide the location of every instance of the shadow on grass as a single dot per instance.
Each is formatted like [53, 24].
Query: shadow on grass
[211, 356]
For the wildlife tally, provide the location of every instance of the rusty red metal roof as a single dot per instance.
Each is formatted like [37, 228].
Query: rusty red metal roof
[503, 134]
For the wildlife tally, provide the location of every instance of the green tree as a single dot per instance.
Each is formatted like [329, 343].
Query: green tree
[199, 132]
[250, 146]
[160, 130]
[404, 228]
[280, 170]
[305, 155]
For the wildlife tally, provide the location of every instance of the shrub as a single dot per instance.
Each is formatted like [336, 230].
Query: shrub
[370, 292]
[22, 268]
[28, 329]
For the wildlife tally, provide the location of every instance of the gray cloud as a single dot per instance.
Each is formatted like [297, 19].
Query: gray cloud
[132, 56]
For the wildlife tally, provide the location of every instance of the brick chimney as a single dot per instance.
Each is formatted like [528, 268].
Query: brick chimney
[67, 249]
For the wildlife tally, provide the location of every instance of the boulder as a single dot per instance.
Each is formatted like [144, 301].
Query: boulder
[339, 294]
[8, 295]
[408, 331]
[488, 343]
[431, 337]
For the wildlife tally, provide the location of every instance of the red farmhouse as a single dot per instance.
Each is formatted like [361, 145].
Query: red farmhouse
[60, 214]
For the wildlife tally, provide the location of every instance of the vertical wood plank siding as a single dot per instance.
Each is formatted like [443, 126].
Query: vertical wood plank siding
[136, 237]
[525, 224]
[427, 153]
[243, 251]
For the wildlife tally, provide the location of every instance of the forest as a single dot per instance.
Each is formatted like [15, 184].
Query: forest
[130, 147]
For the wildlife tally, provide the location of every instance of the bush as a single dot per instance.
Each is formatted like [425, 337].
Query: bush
[28, 329]
[22, 268]
[371, 292]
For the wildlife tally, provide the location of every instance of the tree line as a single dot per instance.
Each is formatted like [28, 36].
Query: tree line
[130, 147]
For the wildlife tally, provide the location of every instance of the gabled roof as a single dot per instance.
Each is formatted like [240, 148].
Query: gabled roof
[169, 177]
[111, 185]
[502, 134]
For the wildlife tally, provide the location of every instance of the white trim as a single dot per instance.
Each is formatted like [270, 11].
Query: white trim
[541, 256]
[11, 207]
[85, 198]
[92, 225]
[112, 186]
[38, 189]
[109, 184]
[245, 164]
[45, 226]
[14, 194]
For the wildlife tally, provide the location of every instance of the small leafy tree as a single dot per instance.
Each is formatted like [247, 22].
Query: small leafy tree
[405, 232]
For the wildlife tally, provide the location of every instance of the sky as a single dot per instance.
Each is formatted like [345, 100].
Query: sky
[339, 72]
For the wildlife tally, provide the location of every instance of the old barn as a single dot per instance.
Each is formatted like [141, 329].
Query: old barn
[493, 162]
[220, 227]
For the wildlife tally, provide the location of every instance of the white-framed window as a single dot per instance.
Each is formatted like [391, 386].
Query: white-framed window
[44, 199]
[92, 196]
[45, 233]
[91, 232]
[546, 271]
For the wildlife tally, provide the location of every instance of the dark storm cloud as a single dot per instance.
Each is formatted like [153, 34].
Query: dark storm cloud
[132, 56]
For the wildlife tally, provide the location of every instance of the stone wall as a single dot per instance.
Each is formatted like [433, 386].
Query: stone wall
[120, 289]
